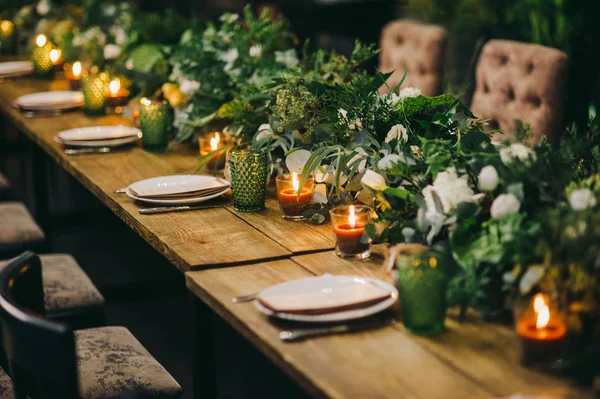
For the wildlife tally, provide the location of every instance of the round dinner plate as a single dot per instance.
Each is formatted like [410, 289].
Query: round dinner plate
[325, 282]
[15, 68]
[50, 100]
[173, 180]
[99, 143]
[98, 133]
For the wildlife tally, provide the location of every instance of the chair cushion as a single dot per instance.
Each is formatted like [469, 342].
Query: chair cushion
[111, 361]
[66, 286]
[18, 230]
[6, 386]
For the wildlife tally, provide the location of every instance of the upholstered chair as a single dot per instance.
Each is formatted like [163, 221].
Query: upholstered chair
[18, 230]
[521, 81]
[417, 48]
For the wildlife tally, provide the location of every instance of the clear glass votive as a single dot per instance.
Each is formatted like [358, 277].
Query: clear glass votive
[155, 123]
[94, 86]
[291, 205]
[43, 67]
[422, 285]
[209, 143]
[349, 223]
[249, 172]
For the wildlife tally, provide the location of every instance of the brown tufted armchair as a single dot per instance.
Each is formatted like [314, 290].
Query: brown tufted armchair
[521, 81]
[417, 47]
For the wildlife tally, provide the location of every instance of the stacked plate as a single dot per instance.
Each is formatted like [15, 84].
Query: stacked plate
[326, 299]
[98, 136]
[15, 69]
[49, 101]
[178, 189]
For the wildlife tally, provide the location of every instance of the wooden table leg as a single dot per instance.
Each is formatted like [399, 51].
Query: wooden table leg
[204, 367]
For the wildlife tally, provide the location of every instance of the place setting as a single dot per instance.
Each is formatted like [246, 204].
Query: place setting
[49, 103]
[15, 69]
[97, 139]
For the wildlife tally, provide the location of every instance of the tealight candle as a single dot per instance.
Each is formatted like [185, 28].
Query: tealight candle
[293, 201]
[210, 143]
[542, 331]
[117, 96]
[349, 227]
[73, 73]
[8, 39]
[43, 67]
[56, 58]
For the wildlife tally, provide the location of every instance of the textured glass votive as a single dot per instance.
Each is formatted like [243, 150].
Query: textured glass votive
[291, 205]
[349, 223]
[8, 37]
[249, 172]
[95, 89]
[422, 284]
[155, 122]
[43, 67]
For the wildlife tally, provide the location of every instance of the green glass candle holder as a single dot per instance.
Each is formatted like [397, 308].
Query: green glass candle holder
[422, 284]
[8, 37]
[249, 172]
[43, 67]
[155, 122]
[94, 86]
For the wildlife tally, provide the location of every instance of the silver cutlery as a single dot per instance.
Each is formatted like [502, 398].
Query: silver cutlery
[79, 151]
[165, 209]
[119, 191]
[37, 114]
[245, 298]
[300, 334]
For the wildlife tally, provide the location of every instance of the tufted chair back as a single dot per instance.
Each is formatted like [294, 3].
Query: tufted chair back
[521, 81]
[417, 47]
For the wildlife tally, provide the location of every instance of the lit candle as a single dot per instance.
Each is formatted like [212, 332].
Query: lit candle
[155, 122]
[349, 228]
[55, 56]
[43, 66]
[291, 203]
[209, 144]
[74, 75]
[117, 95]
[7, 37]
[542, 332]
[6, 28]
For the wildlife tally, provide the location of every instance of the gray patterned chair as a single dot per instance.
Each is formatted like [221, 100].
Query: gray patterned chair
[18, 230]
[416, 47]
[521, 81]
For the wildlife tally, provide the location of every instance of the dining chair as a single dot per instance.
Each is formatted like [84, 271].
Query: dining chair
[519, 81]
[49, 360]
[18, 231]
[417, 48]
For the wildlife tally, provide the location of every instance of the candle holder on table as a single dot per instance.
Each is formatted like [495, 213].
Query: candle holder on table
[292, 204]
[422, 285]
[94, 86]
[349, 223]
[155, 123]
[249, 173]
[8, 37]
[117, 97]
[43, 68]
[208, 144]
[73, 74]
[57, 60]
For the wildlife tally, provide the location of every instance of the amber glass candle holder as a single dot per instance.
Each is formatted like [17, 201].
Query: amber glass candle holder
[211, 142]
[43, 67]
[291, 204]
[541, 326]
[155, 122]
[94, 86]
[349, 223]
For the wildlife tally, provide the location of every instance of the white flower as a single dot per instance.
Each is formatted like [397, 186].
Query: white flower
[389, 161]
[188, 87]
[531, 277]
[111, 51]
[229, 18]
[581, 199]
[416, 151]
[397, 132]
[356, 125]
[516, 151]
[229, 58]
[343, 113]
[373, 180]
[451, 190]
[256, 51]
[362, 155]
[265, 130]
[287, 58]
[390, 98]
[488, 179]
[503, 205]
[119, 34]
[43, 7]
[110, 10]
[408, 92]
[296, 160]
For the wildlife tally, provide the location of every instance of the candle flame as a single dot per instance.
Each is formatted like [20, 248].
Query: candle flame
[55, 55]
[6, 27]
[295, 182]
[76, 69]
[214, 142]
[352, 216]
[41, 40]
[542, 311]
[115, 86]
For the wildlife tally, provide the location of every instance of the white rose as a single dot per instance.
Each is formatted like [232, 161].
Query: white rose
[397, 132]
[256, 51]
[119, 34]
[516, 151]
[360, 154]
[504, 205]
[451, 189]
[488, 179]
[408, 92]
[111, 51]
[389, 161]
[389, 98]
[581, 199]
[265, 130]
[188, 87]
[373, 180]
[43, 7]
[229, 58]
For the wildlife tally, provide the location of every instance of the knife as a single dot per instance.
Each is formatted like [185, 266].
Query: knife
[298, 335]
[165, 209]
[79, 151]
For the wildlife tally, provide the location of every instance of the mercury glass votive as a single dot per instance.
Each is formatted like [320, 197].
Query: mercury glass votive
[249, 173]
[292, 204]
[422, 285]
[351, 240]
[155, 123]
[94, 86]
[43, 67]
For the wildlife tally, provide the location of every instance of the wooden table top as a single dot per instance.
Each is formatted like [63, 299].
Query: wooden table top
[191, 240]
[469, 360]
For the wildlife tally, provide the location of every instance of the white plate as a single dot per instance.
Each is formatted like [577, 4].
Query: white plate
[326, 282]
[16, 68]
[50, 100]
[98, 133]
[99, 143]
[173, 180]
